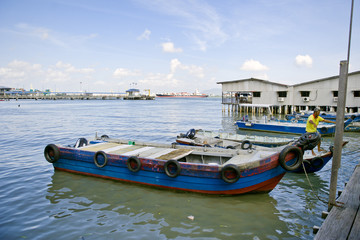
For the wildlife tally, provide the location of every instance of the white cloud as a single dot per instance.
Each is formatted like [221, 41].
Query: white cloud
[9, 73]
[123, 72]
[253, 65]
[174, 63]
[179, 74]
[193, 70]
[99, 83]
[50, 36]
[18, 73]
[201, 21]
[303, 60]
[156, 80]
[67, 67]
[169, 47]
[145, 35]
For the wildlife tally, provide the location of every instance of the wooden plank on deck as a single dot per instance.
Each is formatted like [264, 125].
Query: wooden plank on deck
[344, 222]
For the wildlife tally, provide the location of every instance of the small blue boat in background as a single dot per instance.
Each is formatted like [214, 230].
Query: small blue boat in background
[287, 127]
[325, 115]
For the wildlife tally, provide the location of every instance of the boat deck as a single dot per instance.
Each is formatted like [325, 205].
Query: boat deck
[138, 150]
[242, 158]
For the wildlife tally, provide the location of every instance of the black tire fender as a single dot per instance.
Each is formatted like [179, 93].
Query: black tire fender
[170, 164]
[104, 137]
[246, 145]
[190, 134]
[230, 168]
[298, 155]
[81, 142]
[323, 130]
[133, 164]
[317, 162]
[51, 153]
[96, 159]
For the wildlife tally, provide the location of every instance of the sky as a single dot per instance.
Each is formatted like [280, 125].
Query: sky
[172, 45]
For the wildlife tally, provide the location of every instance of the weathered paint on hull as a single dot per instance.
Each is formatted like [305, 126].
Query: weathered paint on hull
[324, 131]
[201, 178]
[312, 168]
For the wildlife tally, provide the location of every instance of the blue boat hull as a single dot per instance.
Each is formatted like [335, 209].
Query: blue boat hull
[201, 178]
[315, 164]
[298, 130]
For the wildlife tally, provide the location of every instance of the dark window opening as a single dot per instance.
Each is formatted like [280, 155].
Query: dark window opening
[282, 94]
[356, 93]
[335, 93]
[256, 94]
[305, 93]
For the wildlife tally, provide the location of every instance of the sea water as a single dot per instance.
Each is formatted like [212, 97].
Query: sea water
[37, 202]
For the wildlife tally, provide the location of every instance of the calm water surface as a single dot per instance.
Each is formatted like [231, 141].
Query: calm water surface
[38, 203]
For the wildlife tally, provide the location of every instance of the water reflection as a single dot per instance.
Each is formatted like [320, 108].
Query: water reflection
[119, 209]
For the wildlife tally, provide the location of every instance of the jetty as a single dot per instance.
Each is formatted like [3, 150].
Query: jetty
[343, 220]
[60, 96]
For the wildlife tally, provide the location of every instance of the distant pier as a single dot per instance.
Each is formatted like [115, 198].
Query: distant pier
[61, 96]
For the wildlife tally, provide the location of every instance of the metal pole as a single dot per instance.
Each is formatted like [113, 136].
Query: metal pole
[339, 132]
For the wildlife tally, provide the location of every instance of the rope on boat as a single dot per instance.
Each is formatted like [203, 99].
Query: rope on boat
[316, 195]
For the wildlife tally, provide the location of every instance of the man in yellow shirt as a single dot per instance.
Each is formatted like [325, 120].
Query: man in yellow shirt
[313, 122]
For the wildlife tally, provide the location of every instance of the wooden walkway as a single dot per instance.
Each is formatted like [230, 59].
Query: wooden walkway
[344, 222]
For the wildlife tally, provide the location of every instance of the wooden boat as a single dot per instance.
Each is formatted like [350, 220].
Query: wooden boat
[326, 115]
[220, 139]
[287, 127]
[193, 169]
[316, 163]
[353, 127]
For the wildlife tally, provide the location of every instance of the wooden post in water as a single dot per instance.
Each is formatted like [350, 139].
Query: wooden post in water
[339, 132]
[340, 114]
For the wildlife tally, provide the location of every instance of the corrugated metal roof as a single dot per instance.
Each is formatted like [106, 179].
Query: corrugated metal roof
[299, 84]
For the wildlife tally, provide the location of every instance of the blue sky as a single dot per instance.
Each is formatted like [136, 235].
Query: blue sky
[172, 45]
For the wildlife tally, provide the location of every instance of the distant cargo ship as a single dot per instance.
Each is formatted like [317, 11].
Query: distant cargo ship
[196, 94]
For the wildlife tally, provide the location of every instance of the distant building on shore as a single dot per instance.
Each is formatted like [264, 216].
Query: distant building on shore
[282, 98]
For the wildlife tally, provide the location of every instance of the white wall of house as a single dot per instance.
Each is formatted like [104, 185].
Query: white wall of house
[321, 92]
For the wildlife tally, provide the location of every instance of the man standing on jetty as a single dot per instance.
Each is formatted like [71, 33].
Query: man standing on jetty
[313, 122]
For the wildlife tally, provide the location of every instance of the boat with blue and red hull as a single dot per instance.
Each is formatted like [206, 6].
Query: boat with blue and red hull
[192, 169]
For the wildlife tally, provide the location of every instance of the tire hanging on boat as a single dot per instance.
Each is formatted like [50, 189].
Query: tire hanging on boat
[51, 153]
[190, 134]
[102, 155]
[104, 137]
[133, 163]
[317, 162]
[298, 155]
[230, 147]
[169, 165]
[81, 142]
[230, 173]
[323, 130]
[246, 145]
